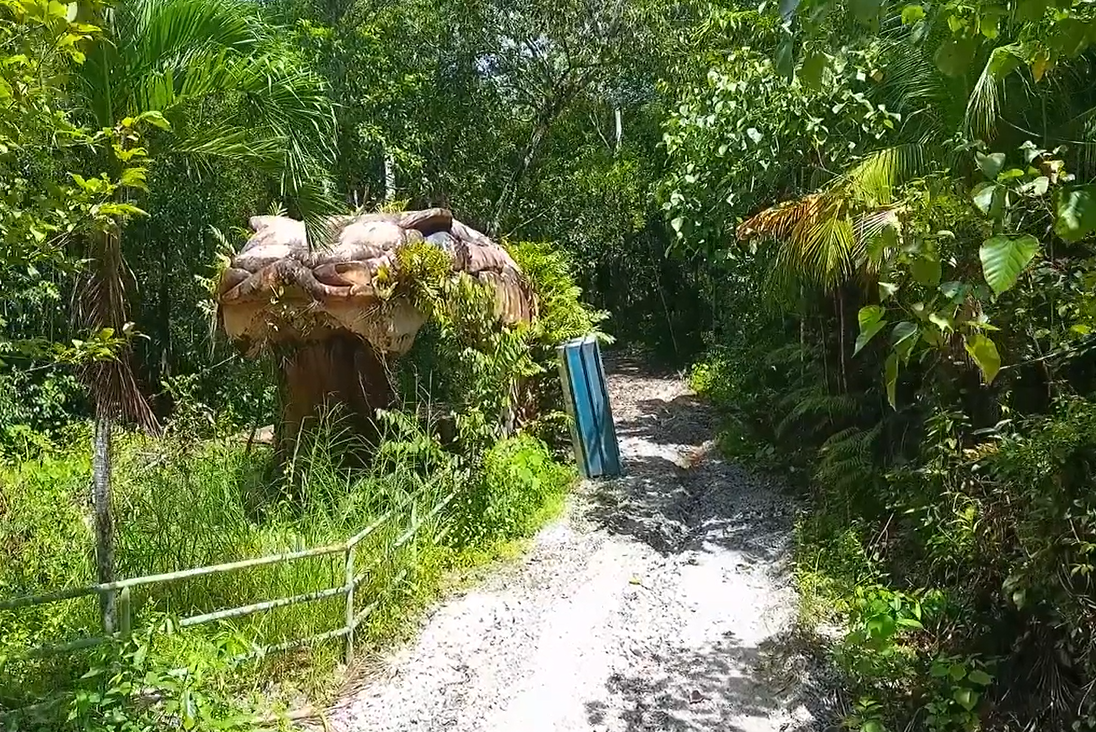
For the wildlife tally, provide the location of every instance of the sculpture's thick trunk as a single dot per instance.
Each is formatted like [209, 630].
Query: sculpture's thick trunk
[341, 376]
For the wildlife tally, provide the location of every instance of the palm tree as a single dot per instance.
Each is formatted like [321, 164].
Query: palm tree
[176, 59]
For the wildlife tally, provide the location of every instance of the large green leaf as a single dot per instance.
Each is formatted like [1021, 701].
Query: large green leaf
[866, 11]
[1004, 258]
[1031, 10]
[991, 164]
[926, 270]
[871, 322]
[912, 14]
[904, 338]
[955, 55]
[989, 198]
[967, 698]
[983, 352]
[1076, 213]
[784, 63]
[891, 377]
[812, 69]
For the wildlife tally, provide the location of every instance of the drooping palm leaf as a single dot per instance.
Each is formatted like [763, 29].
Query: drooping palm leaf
[984, 104]
[816, 239]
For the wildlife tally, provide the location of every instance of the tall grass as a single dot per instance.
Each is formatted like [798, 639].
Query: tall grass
[182, 503]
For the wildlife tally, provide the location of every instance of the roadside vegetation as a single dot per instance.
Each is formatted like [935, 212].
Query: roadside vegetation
[868, 225]
[905, 334]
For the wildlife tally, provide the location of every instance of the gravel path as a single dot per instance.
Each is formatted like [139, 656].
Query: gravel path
[660, 601]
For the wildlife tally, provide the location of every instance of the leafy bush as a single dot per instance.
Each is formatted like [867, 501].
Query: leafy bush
[561, 314]
[521, 483]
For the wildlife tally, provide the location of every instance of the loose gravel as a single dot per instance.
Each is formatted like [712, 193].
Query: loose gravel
[660, 601]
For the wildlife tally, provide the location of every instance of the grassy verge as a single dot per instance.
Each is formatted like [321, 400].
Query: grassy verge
[182, 504]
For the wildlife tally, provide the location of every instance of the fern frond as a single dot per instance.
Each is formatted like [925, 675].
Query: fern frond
[846, 460]
[816, 408]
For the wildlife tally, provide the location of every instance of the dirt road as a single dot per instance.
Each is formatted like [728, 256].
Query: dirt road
[659, 601]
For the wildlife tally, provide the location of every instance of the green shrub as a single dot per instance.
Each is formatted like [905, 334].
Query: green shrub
[561, 314]
[521, 485]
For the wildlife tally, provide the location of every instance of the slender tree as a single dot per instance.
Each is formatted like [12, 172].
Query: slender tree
[167, 61]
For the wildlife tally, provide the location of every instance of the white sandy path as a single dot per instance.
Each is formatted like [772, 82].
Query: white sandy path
[655, 603]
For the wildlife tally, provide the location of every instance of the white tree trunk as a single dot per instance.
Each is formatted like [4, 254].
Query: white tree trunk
[104, 524]
[619, 126]
[389, 177]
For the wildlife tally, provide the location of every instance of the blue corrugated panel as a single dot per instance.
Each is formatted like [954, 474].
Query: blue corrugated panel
[587, 399]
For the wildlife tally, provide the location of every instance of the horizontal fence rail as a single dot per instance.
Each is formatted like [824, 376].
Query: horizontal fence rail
[351, 582]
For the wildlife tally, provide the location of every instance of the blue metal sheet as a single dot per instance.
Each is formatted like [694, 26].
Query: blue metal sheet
[587, 400]
[603, 413]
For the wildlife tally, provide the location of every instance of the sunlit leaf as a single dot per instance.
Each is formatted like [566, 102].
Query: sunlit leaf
[991, 164]
[872, 320]
[942, 322]
[983, 352]
[134, 178]
[954, 56]
[1004, 258]
[989, 198]
[926, 270]
[904, 338]
[812, 69]
[1036, 187]
[980, 677]
[967, 698]
[1076, 213]
[912, 14]
[1031, 10]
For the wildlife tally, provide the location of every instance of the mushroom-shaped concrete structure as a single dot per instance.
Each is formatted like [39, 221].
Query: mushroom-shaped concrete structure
[332, 315]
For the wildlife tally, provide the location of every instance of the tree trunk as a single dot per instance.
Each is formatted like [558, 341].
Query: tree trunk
[389, 177]
[342, 373]
[839, 302]
[104, 524]
[511, 187]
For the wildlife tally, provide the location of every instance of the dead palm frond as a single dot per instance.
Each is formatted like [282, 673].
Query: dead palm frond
[824, 237]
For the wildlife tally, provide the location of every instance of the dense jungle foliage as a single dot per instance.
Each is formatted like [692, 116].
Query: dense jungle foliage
[869, 224]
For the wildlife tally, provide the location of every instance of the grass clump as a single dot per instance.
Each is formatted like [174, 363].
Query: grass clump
[182, 504]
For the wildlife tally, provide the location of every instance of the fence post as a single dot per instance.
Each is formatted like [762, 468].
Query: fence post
[350, 603]
[125, 619]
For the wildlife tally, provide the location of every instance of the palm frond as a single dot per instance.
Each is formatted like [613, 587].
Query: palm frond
[984, 103]
[870, 227]
[180, 58]
[815, 239]
[876, 177]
